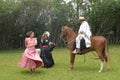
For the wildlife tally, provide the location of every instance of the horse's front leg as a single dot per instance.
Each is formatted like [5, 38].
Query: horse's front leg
[72, 59]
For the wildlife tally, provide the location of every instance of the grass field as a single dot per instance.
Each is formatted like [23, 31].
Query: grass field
[60, 71]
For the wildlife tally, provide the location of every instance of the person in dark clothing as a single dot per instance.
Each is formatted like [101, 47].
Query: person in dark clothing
[46, 49]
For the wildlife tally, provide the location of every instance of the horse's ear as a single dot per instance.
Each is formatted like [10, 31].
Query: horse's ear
[65, 27]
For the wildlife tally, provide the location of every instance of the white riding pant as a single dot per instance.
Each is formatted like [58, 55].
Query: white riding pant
[78, 39]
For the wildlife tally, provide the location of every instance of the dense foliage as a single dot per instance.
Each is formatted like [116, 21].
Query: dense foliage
[19, 16]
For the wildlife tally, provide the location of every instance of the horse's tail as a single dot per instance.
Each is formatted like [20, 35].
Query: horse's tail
[107, 55]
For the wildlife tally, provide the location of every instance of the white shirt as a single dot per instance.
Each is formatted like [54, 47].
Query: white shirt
[84, 30]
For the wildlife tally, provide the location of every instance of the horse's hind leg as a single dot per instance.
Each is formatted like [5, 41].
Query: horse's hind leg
[102, 60]
[107, 60]
[101, 66]
[106, 56]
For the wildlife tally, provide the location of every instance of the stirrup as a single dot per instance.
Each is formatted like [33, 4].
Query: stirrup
[79, 53]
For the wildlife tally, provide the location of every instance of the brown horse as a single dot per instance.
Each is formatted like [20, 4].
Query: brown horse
[98, 44]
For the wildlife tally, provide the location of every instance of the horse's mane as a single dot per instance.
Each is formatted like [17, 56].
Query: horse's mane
[70, 29]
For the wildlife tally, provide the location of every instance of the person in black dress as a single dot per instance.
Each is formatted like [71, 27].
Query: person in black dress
[46, 49]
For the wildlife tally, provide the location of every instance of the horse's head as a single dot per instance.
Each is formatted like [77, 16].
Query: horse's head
[67, 34]
[63, 33]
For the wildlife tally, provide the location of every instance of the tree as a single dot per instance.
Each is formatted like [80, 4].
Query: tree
[104, 18]
[7, 20]
[19, 16]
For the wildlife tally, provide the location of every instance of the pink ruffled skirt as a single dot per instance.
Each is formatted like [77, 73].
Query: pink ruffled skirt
[30, 59]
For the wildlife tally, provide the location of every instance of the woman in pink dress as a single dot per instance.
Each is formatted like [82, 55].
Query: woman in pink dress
[30, 58]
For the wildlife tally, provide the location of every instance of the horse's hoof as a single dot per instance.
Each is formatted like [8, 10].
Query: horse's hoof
[99, 71]
[106, 69]
[71, 68]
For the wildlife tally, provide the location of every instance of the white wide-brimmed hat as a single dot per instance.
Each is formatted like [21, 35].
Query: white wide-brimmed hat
[47, 33]
[81, 18]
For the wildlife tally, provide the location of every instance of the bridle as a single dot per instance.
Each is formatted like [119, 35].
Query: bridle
[67, 42]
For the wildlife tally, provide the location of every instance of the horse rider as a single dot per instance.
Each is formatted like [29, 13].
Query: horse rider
[83, 32]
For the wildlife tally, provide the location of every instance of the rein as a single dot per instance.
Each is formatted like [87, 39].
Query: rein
[67, 42]
[71, 41]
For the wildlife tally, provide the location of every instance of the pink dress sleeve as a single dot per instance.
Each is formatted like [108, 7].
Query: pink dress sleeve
[35, 41]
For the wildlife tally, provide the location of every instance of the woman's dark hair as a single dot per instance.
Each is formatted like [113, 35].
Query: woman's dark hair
[29, 33]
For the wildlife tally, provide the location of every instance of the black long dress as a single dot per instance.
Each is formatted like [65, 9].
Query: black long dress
[46, 54]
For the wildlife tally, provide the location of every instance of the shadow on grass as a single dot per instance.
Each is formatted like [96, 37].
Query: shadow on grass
[92, 69]
[27, 72]
[86, 69]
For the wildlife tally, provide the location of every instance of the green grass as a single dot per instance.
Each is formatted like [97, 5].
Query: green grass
[60, 71]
